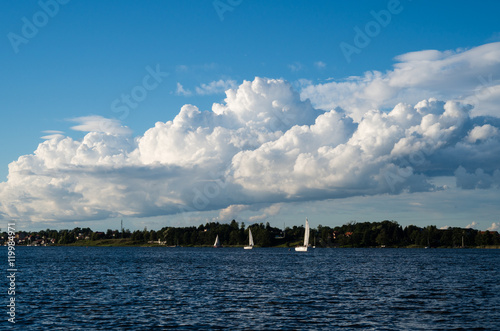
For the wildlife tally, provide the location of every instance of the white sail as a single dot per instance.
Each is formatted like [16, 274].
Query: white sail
[217, 242]
[250, 243]
[250, 240]
[306, 240]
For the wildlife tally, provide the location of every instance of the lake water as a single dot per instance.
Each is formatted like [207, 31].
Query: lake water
[206, 288]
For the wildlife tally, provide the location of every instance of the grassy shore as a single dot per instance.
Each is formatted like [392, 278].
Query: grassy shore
[132, 243]
[109, 243]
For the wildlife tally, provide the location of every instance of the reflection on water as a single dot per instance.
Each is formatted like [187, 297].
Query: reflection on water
[199, 288]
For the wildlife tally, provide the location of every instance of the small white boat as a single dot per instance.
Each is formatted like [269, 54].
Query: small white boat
[250, 240]
[217, 243]
[306, 240]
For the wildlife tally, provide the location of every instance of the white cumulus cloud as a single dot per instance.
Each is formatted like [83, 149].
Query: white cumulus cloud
[472, 225]
[472, 76]
[494, 227]
[482, 132]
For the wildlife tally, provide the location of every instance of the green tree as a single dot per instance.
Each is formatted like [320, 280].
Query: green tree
[234, 237]
[153, 236]
[382, 238]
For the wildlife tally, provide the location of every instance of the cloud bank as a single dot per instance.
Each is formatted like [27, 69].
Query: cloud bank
[470, 76]
[267, 145]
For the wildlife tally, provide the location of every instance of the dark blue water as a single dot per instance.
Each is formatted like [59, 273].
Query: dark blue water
[206, 288]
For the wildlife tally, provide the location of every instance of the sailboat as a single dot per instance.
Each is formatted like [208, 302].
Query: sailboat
[217, 243]
[306, 240]
[250, 240]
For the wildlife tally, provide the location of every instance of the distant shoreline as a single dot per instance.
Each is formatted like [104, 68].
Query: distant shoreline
[131, 243]
[385, 234]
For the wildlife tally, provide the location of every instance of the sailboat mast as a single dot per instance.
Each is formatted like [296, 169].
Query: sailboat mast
[306, 234]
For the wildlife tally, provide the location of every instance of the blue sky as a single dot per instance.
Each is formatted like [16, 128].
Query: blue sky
[85, 56]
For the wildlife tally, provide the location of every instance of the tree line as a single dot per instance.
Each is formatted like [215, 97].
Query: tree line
[353, 234]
